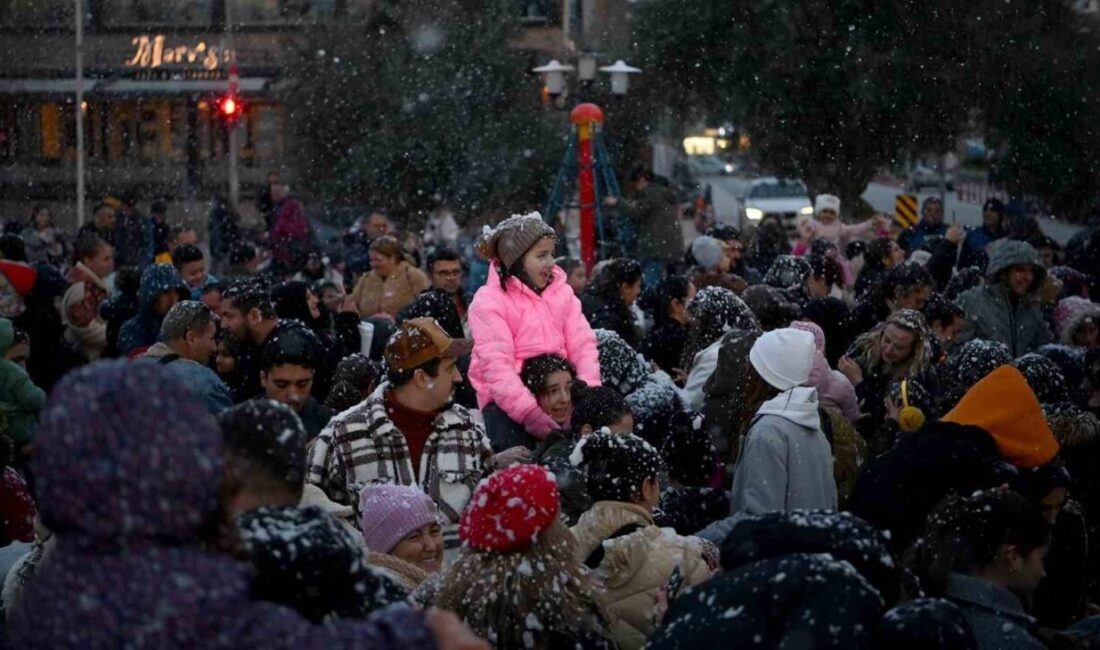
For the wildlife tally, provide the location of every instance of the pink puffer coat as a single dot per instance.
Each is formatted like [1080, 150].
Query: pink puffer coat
[509, 327]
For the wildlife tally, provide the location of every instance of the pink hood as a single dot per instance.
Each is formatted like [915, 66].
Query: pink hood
[834, 390]
[509, 327]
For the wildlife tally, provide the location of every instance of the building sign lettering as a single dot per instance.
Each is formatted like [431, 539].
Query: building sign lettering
[152, 51]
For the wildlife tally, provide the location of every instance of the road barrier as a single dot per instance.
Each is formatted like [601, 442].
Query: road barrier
[905, 211]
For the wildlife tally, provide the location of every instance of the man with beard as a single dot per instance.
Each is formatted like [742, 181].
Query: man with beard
[409, 431]
[248, 316]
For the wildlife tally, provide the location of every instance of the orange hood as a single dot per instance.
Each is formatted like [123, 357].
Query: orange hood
[1004, 405]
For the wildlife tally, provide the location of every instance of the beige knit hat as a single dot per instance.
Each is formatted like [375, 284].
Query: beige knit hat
[513, 237]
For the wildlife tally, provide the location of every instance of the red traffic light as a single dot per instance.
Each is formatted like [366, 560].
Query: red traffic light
[230, 108]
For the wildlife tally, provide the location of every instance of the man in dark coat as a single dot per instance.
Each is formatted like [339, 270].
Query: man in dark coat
[130, 229]
[289, 361]
[653, 212]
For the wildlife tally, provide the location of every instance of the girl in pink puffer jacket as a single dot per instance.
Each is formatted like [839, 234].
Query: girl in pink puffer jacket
[524, 310]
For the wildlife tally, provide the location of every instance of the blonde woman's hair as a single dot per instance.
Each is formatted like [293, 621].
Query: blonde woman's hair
[868, 347]
[532, 598]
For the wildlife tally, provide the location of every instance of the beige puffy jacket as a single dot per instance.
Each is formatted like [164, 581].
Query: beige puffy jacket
[374, 295]
[636, 565]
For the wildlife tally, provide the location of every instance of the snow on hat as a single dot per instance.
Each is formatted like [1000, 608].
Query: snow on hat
[1071, 313]
[967, 365]
[1044, 377]
[621, 366]
[783, 357]
[1005, 406]
[509, 509]
[303, 557]
[390, 512]
[787, 272]
[617, 464]
[826, 202]
[707, 251]
[513, 237]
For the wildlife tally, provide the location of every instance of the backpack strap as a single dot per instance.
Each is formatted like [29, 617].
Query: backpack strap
[168, 358]
[596, 558]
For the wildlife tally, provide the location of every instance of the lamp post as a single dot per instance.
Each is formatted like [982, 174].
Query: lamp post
[592, 165]
[620, 76]
[79, 113]
[554, 75]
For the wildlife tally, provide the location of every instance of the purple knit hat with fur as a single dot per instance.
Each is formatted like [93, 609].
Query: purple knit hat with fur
[390, 512]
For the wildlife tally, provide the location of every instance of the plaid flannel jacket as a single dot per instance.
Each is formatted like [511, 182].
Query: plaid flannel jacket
[362, 446]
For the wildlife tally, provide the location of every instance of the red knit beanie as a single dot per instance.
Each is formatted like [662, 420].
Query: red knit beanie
[509, 509]
[20, 275]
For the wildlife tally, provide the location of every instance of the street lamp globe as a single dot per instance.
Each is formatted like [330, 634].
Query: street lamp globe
[620, 75]
[555, 76]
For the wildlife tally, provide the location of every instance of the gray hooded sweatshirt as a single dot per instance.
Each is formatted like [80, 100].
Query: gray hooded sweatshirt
[786, 462]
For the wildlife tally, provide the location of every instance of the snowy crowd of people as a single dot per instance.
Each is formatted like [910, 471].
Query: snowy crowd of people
[461, 437]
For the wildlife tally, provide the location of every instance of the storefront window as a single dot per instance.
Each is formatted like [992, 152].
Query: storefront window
[125, 133]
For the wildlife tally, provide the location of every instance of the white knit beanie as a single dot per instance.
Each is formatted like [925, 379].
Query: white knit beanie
[826, 202]
[784, 357]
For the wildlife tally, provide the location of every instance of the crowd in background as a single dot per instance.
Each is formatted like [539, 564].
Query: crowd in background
[443, 435]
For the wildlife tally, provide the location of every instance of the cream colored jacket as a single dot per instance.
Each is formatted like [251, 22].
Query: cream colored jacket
[635, 566]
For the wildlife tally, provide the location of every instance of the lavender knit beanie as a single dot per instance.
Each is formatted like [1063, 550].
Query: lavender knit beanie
[390, 512]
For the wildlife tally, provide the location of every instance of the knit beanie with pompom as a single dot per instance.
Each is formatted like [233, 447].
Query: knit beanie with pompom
[513, 237]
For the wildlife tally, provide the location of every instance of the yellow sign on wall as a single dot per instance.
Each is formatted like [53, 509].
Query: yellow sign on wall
[153, 51]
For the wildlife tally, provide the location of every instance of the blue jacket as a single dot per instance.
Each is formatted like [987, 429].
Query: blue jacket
[913, 238]
[143, 330]
[203, 382]
[974, 244]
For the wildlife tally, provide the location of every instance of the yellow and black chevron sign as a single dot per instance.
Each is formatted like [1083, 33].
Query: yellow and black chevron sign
[905, 211]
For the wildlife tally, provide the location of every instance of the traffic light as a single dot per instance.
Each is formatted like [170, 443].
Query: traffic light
[230, 109]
